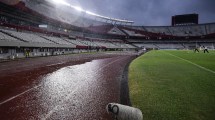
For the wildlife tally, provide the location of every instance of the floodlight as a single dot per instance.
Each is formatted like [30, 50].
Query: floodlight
[61, 2]
[91, 13]
[78, 8]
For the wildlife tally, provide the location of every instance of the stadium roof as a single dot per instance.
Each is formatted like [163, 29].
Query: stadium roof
[150, 12]
[78, 8]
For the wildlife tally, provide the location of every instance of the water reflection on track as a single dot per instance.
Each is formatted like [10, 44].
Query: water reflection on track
[71, 92]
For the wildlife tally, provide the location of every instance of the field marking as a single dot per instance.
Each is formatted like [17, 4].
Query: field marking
[206, 69]
[30, 65]
[48, 115]
[35, 87]
[59, 105]
[55, 64]
[18, 95]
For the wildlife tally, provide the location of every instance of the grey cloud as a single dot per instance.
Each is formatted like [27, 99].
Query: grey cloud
[150, 12]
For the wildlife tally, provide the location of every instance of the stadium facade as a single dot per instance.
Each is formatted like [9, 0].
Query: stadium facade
[38, 28]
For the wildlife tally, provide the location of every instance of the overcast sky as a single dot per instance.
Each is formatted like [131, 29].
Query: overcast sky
[149, 12]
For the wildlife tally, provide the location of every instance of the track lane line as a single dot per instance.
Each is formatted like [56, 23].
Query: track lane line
[199, 66]
[18, 95]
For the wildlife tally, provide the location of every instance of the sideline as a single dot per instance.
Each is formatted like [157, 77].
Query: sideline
[199, 66]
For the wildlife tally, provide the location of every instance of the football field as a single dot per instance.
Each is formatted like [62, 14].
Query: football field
[173, 85]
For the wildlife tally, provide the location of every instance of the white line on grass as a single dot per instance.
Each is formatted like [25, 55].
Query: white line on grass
[206, 69]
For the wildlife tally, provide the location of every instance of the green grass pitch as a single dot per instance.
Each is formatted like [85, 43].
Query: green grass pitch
[174, 85]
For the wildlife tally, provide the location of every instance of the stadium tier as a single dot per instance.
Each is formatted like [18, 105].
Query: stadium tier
[27, 37]
[6, 37]
[70, 32]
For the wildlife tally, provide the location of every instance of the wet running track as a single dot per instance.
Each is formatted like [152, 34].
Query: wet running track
[70, 87]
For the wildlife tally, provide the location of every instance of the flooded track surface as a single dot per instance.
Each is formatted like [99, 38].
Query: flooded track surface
[73, 87]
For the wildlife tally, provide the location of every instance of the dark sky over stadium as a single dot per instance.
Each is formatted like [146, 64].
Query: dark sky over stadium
[149, 12]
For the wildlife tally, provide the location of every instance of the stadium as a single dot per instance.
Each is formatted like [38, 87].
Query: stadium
[59, 61]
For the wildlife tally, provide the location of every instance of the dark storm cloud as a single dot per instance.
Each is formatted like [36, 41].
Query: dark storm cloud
[150, 12]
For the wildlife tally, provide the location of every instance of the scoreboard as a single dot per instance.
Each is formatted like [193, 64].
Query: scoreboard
[186, 19]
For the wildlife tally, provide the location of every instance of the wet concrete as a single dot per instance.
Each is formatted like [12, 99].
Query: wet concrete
[72, 87]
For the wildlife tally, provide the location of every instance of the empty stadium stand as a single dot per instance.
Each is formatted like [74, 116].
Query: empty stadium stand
[5, 37]
[28, 37]
[71, 33]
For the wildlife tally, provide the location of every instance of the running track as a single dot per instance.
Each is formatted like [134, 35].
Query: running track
[71, 87]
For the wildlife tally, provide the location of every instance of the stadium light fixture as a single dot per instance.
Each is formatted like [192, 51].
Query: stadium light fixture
[61, 2]
[77, 8]
[91, 13]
